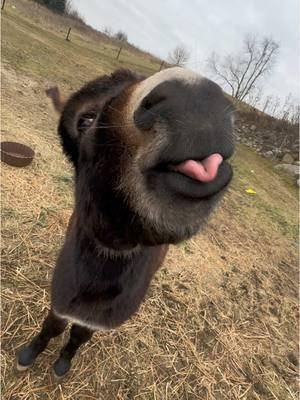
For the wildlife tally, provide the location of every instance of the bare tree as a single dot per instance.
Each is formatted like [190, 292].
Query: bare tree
[241, 72]
[295, 117]
[266, 104]
[255, 96]
[121, 36]
[290, 109]
[72, 12]
[108, 31]
[286, 110]
[275, 106]
[69, 8]
[179, 56]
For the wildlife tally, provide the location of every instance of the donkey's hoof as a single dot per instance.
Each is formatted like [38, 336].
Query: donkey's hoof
[21, 367]
[25, 359]
[61, 367]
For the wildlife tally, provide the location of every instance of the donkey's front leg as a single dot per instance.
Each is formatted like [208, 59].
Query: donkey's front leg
[78, 336]
[52, 327]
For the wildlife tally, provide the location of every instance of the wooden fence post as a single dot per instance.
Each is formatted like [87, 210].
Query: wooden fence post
[119, 52]
[68, 34]
[3, 4]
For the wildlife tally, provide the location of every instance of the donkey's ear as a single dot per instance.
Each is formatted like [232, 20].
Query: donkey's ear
[57, 99]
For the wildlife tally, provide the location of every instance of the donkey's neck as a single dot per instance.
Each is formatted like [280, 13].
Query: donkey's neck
[108, 237]
[94, 257]
[92, 285]
[101, 250]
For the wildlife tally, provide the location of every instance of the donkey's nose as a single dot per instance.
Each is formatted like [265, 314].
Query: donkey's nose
[175, 97]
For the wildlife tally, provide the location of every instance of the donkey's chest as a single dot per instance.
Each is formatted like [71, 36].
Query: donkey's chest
[103, 297]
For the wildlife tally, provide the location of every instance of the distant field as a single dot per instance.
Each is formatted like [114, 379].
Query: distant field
[220, 321]
[44, 53]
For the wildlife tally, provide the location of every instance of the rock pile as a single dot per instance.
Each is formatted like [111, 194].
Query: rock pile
[274, 144]
[270, 143]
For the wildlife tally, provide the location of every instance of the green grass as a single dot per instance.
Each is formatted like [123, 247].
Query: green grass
[275, 201]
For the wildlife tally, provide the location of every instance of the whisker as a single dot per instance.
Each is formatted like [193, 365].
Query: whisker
[114, 109]
[231, 113]
[149, 111]
[125, 125]
[112, 126]
[175, 119]
[229, 106]
[111, 143]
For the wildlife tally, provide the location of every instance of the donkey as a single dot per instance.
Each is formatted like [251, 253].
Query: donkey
[150, 166]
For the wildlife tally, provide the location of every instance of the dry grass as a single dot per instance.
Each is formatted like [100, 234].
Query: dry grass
[47, 31]
[45, 18]
[220, 320]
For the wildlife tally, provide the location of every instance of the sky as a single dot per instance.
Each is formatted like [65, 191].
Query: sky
[158, 26]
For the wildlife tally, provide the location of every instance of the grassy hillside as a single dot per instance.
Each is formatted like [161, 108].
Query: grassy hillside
[44, 53]
[220, 320]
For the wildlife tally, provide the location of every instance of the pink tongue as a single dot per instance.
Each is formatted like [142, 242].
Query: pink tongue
[203, 171]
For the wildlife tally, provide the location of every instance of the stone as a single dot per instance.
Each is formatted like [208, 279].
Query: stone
[285, 150]
[277, 151]
[292, 169]
[253, 128]
[287, 159]
[269, 154]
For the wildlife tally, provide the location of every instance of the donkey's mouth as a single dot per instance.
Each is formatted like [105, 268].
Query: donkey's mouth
[202, 171]
[191, 178]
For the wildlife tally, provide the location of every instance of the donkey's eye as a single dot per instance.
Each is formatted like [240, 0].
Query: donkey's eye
[86, 120]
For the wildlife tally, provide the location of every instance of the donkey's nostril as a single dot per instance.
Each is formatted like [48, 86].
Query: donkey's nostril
[149, 110]
[152, 100]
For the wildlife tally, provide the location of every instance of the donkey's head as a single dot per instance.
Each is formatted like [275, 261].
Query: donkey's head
[149, 153]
